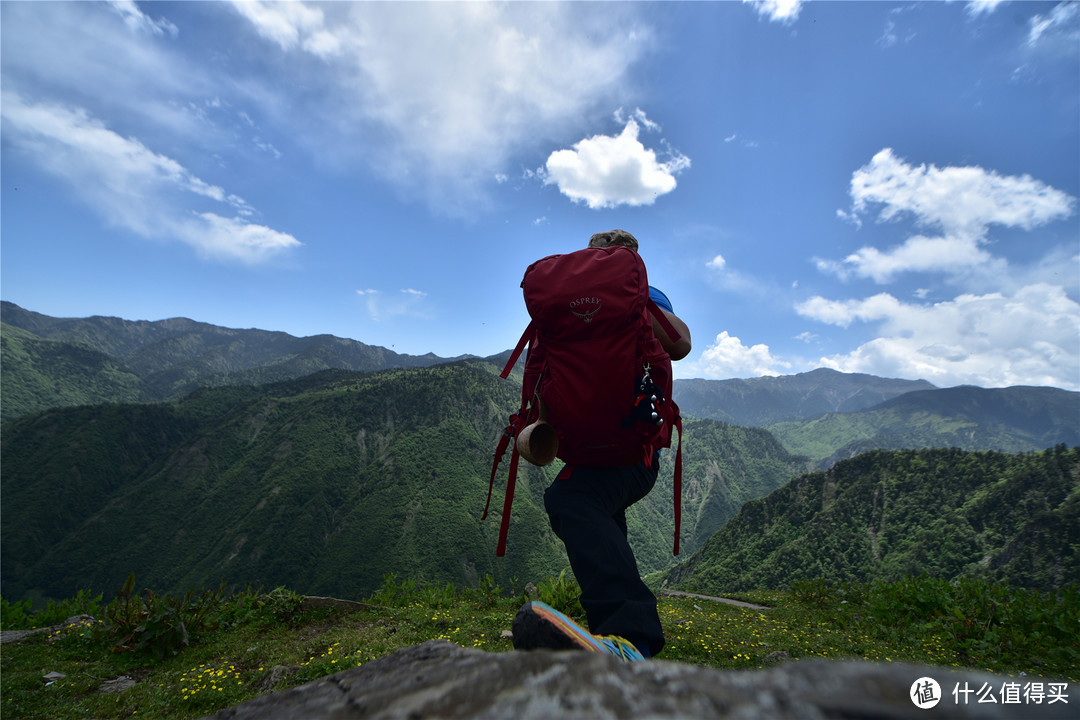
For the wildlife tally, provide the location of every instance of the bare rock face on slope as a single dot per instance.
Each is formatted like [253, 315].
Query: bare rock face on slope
[441, 680]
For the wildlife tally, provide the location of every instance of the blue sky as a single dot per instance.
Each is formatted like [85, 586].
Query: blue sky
[878, 187]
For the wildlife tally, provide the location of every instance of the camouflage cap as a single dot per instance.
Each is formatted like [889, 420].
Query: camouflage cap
[614, 237]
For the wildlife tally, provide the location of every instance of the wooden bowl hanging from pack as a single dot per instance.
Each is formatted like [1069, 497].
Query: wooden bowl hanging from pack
[538, 442]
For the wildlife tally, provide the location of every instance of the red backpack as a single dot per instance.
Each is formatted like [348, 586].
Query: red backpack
[594, 371]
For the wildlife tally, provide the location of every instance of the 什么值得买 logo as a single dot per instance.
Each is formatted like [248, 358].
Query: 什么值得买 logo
[585, 308]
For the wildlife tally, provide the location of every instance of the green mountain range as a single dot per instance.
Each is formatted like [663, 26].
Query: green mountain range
[325, 484]
[886, 515]
[190, 454]
[765, 400]
[823, 414]
[45, 359]
[1015, 419]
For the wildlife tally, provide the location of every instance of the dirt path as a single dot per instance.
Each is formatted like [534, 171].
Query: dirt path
[728, 601]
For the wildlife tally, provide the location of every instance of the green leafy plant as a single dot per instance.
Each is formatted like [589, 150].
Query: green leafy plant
[159, 625]
[16, 615]
[563, 594]
[22, 616]
[816, 590]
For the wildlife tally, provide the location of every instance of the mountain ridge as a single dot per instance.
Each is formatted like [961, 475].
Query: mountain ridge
[175, 356]
[760, 401]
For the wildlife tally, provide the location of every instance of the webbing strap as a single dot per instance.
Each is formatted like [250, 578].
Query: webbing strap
[658, 313]
[525, 338]
[504, 526]
[677, 483]
[499, 452]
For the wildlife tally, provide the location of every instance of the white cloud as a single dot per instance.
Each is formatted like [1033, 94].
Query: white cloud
[1030, 337]
[982, 7]
[407, 302]
[717, 263]
[233, 238]
[133, 187]
[605, 172]
[438, 96]
[890, 36]
[964, 202]
[139, 21]
[1059, 25]
[960, 200]
[916, 254]
[782, 11]
[728, 357]
[291, 25]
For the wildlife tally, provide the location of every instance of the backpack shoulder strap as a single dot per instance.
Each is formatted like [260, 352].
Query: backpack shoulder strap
[677, 483]
[658, 313]
[526, 338]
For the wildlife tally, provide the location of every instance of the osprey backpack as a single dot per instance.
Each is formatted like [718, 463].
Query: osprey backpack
[595, 373]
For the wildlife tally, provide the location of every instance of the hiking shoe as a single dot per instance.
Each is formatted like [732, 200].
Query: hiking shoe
[538, 625]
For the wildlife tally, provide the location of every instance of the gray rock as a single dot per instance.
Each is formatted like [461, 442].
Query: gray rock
[117, 685]
[441, 680]
[277, 674]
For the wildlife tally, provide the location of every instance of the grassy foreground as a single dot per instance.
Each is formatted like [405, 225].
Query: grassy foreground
[195, 655]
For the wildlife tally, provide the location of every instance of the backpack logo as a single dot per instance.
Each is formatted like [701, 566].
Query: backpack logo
[580, 307]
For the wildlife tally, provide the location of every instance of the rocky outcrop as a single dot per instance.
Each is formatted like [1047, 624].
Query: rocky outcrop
[441, 680]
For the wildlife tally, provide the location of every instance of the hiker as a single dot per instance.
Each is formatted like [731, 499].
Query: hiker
[586, 506]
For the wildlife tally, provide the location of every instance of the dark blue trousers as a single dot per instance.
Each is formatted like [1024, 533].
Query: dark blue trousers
[587, 509]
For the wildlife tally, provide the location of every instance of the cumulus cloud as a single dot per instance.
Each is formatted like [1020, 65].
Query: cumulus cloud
[781, 11]
[291, 25]
[1010, 326]
[604, 171]
[916, 254]
[437, 97]
[232, 238]
[727, 357]
[1029, 337]
[962, 202]
[133, 187]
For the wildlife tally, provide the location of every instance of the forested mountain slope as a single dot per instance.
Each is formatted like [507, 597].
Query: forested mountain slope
[324, 484]
[38, 373]
[886, 515]
[1014, 419]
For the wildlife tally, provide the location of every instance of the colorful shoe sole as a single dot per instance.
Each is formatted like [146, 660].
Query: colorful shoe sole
[538, 625]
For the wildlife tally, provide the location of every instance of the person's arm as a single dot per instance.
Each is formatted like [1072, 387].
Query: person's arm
[679, 348]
